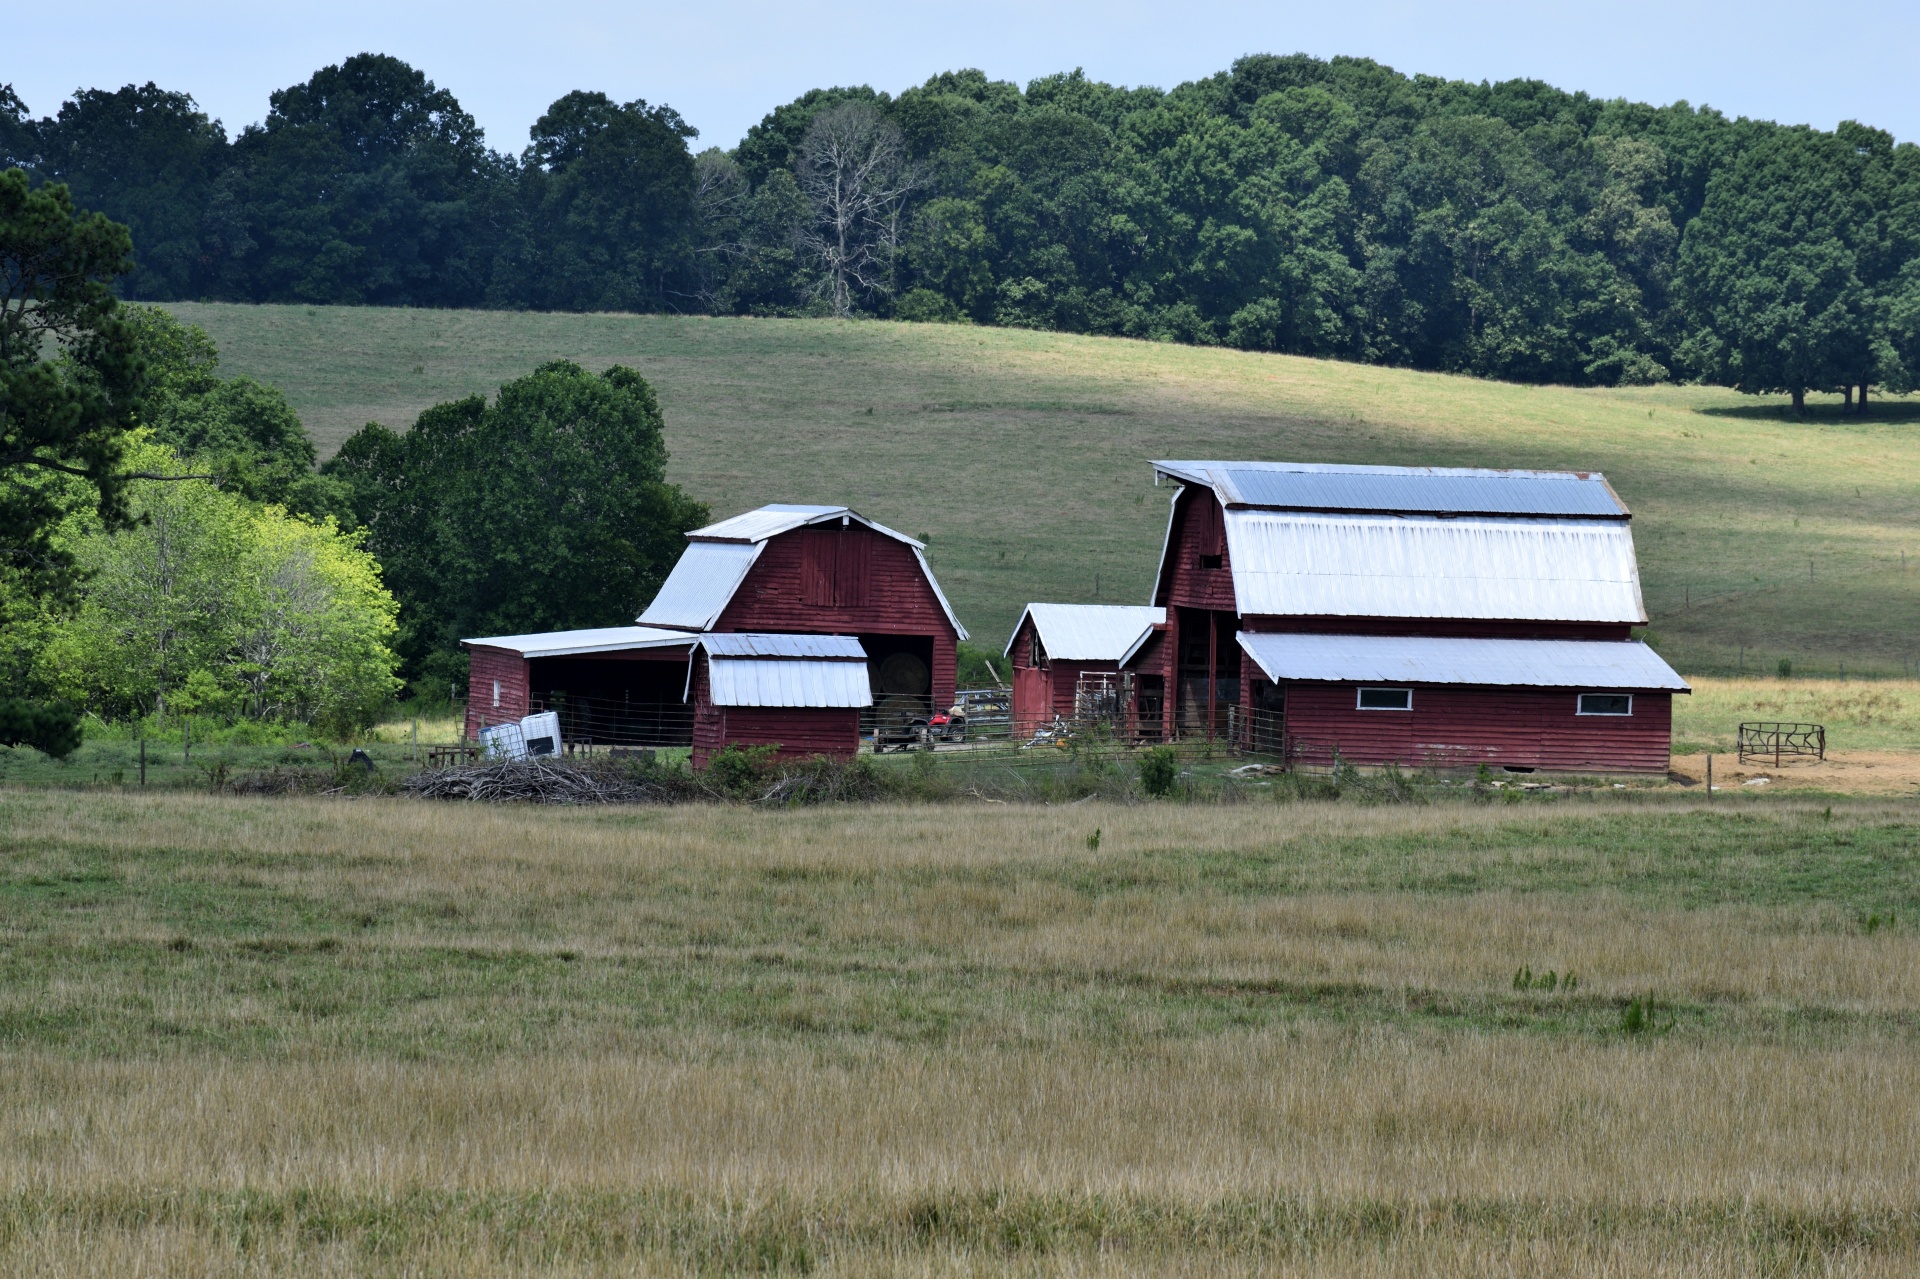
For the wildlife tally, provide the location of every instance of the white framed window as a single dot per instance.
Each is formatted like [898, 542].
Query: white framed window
[496, 692]
[1385, 699]
[1606, 704]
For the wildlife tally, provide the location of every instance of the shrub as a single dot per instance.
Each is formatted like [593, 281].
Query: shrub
[741, 771]
[1158, 769]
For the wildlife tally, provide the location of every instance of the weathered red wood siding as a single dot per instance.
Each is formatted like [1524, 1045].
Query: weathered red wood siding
[491, 669]
[784, 592]
[1199, 528]
[1451, 726]
[798, 732]
[1032, 684]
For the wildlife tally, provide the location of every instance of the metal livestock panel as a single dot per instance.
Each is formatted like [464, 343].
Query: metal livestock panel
[1418, 659]
[1423, 566]
[1090, 632]
[701, 585]
[1432, 490]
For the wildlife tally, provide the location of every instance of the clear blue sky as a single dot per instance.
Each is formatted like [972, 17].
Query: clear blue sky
[725, 63]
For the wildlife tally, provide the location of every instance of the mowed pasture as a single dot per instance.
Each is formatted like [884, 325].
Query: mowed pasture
[1023, 454]
[307, 1038]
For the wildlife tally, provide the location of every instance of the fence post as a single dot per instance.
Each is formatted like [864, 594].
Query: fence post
[1709, 777]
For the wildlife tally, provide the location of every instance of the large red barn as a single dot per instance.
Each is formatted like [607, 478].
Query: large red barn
[1414, 616]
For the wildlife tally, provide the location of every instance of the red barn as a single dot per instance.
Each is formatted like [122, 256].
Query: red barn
[1069, 663]
[822, 570]
[1415, 616]
[814, 572]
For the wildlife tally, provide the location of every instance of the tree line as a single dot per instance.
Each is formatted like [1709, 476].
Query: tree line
[1332, 208]
[168, 548]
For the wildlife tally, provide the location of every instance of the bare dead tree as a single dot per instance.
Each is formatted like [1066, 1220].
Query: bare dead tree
[853, 170]
[720, 197]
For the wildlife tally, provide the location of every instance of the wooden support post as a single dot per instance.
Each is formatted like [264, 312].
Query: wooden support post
[1213, 654]
[1709, 776]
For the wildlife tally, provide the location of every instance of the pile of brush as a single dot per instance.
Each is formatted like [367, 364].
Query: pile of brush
[538, 781]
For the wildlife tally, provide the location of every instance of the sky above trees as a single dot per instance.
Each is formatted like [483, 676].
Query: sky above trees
[720, 64]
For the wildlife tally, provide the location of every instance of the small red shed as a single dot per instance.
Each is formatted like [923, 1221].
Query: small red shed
[801, 693]
[1070, 662]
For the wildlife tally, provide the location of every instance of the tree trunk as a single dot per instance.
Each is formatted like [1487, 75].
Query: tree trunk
[1846, 398]
[1800, 401]
[1863, 399]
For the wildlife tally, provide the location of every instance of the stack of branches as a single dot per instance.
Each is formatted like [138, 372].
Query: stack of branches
[824, 781]
[539, 781]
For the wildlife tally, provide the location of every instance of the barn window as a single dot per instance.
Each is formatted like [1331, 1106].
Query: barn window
[496, 692]
[1210, 561]
[1606, 703]
[1036, 651]
[1386, 699]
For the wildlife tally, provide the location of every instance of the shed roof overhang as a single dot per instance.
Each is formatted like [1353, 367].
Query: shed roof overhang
[604, 639]
[1396, 659]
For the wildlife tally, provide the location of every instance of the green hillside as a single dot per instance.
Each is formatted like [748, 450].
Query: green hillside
[1022, 455]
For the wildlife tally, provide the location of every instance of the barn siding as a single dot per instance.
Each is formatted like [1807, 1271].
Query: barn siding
[1452, 726]
[487, 665]
[894, 595]
[798, 732]
[1198, 529]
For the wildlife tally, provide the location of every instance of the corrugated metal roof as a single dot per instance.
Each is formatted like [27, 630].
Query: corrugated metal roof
[776, 518]
[605, 639]
[701, 584]
[1431, 490]
[844, 648]
[1394, 659]
[792, 682]
[1090, 632]
[1307, 565]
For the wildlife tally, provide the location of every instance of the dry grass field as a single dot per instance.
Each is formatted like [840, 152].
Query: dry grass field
[243, 1037]
[1023, 455]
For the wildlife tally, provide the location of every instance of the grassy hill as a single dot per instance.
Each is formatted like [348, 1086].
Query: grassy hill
[1022, 455]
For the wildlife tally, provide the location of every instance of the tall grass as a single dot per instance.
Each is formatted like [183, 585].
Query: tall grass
[380, 1037]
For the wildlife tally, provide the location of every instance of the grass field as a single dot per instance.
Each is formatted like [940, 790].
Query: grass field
[1023, 454]
[382, 1038]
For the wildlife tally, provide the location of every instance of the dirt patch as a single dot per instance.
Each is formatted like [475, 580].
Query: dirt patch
[1853, 772]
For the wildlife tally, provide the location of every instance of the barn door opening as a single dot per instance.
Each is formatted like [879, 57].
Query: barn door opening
[1209, 672]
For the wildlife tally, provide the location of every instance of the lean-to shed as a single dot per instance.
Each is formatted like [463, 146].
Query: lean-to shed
[801, 693]
[1409, 615]
[617, 685]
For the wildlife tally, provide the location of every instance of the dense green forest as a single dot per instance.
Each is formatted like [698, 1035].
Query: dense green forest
[1332, 208]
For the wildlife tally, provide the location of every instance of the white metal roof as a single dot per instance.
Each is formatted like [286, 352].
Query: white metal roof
[745, 644]
[605, 639]
[1395, 659]
[776, 518]
[786, 670]
[1090, 632]
[702, 583]
[1432, 490]
[718, 556]
[1314, 565]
